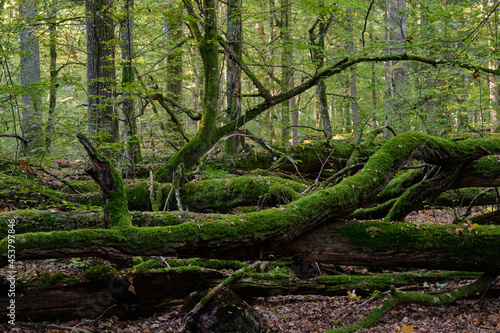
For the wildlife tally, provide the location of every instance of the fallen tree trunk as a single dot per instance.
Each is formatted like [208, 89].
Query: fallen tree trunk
[348, 243]
[143, 293]
[270, 232]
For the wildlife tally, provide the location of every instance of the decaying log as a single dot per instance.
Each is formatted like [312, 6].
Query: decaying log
[274, 231]
[143, 293]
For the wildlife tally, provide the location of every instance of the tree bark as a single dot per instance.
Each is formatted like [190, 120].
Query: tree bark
[133, 149]
[51, 121]
[286, 70]
[317, 41]
[492, 79]
[395, 77]
[99, 21]
[353, 90]
[235, 42]
[31, 124]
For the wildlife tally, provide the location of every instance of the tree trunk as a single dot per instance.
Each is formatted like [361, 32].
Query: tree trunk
[31, 124]
[353, 91]
[323, 106]
[286, 71]
[395, 77]
[317, 41]
[173, 35]
[51, 121]
[270, 114]
[235, 42]
[99, 20]
[90, 298]
[493, 79]
[133, 149]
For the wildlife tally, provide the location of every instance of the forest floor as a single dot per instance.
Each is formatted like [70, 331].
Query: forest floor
[309, 313]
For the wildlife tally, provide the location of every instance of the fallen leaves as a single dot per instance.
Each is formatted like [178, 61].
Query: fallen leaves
[352, 295]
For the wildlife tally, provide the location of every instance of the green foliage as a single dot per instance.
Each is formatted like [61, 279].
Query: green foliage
[443, 100]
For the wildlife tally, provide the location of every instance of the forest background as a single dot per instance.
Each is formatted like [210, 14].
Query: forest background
[149, 52]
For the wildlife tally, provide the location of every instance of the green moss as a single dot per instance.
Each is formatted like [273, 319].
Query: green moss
[47, 280]
[384, 281]
[24, 193]
[148, 264]
[400, 183]
[237, 191]
[99, 273]
[85, 186]
[403, 205]
[394, 236]
[463, 197]
[488, 166]
[137, 260]
[32, 220]
[138, 196]
[199, 262]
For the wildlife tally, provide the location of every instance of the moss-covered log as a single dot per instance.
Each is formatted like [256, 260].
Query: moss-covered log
[220, 194]
[268, 232]
[141, 292]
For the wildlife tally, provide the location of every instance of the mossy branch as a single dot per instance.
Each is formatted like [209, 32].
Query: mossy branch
[338, 68]
[413, 297]
[426, 190]
[116, 213]
[261, 233]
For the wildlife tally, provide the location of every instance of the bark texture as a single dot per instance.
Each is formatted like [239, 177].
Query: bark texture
[99, 20]
[31, 124]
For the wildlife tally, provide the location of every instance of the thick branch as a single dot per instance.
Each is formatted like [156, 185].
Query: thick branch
[260, 87]
[114, 199]
[18, 137]
[336, 69]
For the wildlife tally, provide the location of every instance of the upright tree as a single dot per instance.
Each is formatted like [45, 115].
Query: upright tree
[317, 35]
[133, 149]
[493, 79]
[233, 72]
[31, 124]
[353, 89]
[395, 75]
[51, 119]
[286, 66]
[173, 34]
[101, 76]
